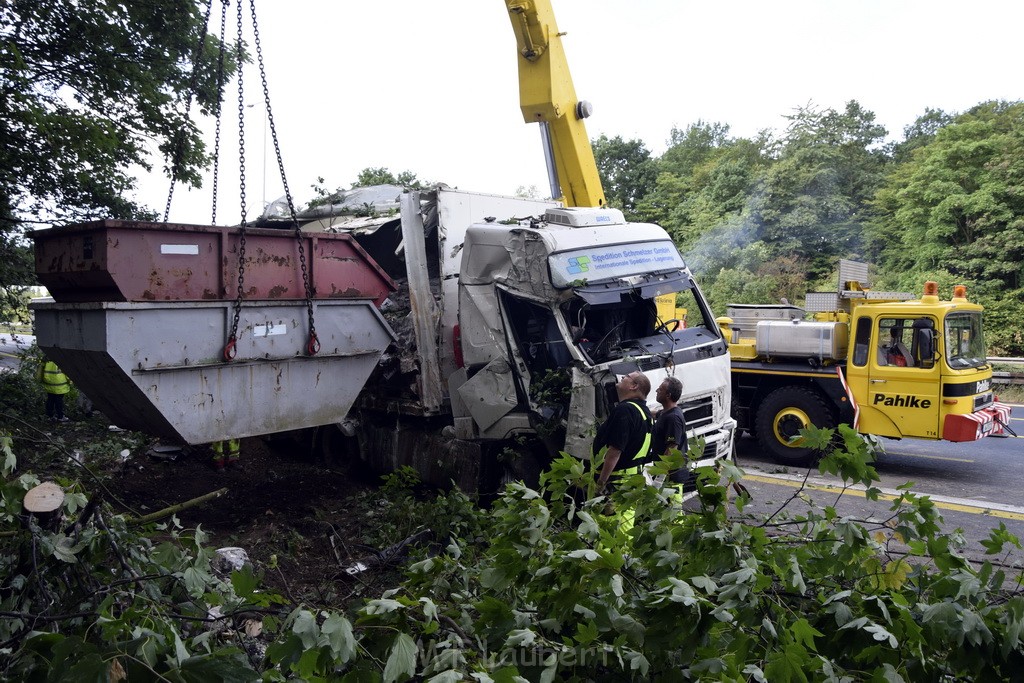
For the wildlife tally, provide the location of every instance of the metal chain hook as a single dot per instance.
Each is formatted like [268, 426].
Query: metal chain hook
[313, 346]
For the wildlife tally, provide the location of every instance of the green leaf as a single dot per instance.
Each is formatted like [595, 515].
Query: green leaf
[382, 606]
[305, 627]
[586, 633]
[339, 634]
[804, 633]
[402, 660]
[520, 637]
[244, 581]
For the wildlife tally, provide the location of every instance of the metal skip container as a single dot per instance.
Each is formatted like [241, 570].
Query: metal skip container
[157, 366]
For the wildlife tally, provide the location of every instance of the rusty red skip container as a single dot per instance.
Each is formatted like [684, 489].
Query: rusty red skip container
[115, 260]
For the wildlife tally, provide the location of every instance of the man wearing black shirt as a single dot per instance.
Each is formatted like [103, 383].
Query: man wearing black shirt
[670, 429]
[627, 431]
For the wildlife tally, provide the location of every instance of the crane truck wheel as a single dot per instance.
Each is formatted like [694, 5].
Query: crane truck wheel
[781, 416]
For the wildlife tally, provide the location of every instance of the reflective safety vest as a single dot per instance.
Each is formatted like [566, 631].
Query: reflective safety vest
[54, 381]
[645, 449]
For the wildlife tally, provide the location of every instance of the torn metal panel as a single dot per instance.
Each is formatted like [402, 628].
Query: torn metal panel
[424, 313]
[480, 325]
[528, 255]
[490, 394]
[582, 420]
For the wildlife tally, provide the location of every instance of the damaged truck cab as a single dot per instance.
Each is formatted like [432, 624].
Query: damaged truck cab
[538, 311]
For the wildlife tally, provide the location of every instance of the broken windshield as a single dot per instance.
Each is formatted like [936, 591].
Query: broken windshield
[630, 325]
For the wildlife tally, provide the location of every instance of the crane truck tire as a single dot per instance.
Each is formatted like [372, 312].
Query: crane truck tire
[781, 416]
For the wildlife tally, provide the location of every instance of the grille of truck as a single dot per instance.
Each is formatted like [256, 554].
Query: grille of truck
[698, 412]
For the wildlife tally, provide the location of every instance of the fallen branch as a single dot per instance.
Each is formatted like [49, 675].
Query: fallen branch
[166, 512]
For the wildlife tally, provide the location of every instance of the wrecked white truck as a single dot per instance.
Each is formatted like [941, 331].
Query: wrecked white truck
[470, 336]
[514, 319]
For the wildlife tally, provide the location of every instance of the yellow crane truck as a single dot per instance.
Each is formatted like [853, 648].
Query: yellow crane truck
[884, 362]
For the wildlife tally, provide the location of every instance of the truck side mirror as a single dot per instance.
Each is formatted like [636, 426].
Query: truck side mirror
[925, 343]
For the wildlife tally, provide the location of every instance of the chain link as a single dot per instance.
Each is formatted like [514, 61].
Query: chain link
[219, 110]
[177, 151]
[230, 347]
[313, 344]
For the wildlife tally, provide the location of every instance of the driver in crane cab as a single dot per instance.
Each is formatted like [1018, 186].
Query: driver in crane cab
[896, 352]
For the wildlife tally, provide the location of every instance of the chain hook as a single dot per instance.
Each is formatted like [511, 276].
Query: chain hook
[229, 349]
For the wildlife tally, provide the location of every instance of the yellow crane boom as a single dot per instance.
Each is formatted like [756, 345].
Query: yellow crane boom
[547, 96]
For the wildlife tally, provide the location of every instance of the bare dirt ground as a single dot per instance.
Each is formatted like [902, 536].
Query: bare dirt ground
[301, 522]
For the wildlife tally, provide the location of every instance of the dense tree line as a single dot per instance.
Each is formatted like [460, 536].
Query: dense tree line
[765, 218]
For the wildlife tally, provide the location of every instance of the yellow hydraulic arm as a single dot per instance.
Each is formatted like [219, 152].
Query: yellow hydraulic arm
[547, 96]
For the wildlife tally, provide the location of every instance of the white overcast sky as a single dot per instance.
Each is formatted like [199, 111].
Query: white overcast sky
[433, 87]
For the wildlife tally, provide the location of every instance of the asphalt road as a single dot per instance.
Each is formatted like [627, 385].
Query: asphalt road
[11, 347]
[975, 485]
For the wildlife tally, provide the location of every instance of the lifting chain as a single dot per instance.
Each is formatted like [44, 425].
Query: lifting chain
[230, 348]
[218, 110]
[179, 140]
[313, 342]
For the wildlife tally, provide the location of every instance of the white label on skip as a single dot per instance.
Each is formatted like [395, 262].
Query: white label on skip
[269, 329]
[187, 249]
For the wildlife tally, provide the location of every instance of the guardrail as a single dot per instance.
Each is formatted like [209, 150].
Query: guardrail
[1016, 378]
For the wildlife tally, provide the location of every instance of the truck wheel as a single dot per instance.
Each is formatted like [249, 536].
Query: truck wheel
[782, 414]
[336, 450]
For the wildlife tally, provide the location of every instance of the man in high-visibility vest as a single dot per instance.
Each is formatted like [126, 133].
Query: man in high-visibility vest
[57, 386]
[225, 453]
[627, 431]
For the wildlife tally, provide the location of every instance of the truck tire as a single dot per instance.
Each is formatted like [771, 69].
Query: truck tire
[338, 451]
[782, 414]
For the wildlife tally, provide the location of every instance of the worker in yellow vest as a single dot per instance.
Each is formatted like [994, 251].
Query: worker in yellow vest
[225, 453]
[57, 386]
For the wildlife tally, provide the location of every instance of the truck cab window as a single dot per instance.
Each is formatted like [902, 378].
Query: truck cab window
[604, 331]
[965, 343]
[894, 341]
[537, 335]
[862, 342]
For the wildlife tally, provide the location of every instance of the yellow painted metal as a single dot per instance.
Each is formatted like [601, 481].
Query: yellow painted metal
[547, 95]
[795, 420]
[666, 306]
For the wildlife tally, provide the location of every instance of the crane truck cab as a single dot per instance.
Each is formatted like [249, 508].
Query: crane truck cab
[886, 363]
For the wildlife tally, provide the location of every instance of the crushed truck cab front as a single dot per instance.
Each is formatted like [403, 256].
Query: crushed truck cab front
[553, 310]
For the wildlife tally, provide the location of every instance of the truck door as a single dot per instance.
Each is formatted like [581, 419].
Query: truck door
[903, 389]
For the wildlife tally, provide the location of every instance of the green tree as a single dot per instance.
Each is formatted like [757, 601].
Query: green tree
[958, 206]
[815, 197]
[85, 89]
[383, 176]
[627, 171]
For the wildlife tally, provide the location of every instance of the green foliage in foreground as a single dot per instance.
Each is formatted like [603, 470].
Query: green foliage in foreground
[540, 587]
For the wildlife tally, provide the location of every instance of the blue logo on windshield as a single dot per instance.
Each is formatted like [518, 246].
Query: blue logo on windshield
[579, 264]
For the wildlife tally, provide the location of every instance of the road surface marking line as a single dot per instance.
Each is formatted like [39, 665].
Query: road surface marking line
[942, 502]
[931, 457]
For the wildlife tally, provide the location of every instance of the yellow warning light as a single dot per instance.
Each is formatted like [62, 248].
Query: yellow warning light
[959, 291]
[931, 288]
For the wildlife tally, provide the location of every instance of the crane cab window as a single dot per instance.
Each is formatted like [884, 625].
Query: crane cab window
[905, 342]
[862, 342]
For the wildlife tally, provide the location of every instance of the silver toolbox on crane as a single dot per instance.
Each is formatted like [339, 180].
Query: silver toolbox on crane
[801, 339]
